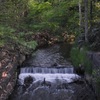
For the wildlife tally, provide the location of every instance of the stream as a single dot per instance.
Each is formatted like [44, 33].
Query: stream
[49, 75]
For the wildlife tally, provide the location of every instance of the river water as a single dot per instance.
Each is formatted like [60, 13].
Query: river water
[48, 75]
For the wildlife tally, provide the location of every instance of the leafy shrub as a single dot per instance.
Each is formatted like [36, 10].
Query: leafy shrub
[9, 35]
[6, 33]
[78, 56]
[29, 45]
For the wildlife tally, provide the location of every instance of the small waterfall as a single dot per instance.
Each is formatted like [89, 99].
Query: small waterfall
[46, 70]
[49, 74]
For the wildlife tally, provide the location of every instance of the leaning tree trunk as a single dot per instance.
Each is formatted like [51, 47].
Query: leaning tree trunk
[86, 20]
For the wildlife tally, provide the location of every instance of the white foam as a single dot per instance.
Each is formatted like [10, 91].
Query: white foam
[68, 78]
[46, 70]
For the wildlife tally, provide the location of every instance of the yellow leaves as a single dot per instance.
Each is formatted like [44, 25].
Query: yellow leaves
[98, 5]
[68, 38]
[53, 40]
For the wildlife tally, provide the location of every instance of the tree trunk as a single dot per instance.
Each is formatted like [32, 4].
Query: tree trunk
[86, 20]
[80, 15]
[91, 10]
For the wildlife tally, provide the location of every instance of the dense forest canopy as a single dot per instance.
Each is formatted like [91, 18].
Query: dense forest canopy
[53, 16]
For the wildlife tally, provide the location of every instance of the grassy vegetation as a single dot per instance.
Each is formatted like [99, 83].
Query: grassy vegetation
[79, 56]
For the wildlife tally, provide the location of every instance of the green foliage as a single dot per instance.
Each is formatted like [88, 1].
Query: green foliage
[28, 45]
[79, 57]
[20, 39]
[53, 16]
[39, 15]
[96, 15]
[8, 34]
[12, 12]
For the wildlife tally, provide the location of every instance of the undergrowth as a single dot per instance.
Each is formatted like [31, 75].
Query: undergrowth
[79, 57]
[9, 35]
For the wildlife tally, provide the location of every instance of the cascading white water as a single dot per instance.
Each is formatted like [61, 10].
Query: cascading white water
[46, 70]
[49, 74]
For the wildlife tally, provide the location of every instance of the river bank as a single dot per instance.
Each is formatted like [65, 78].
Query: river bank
[11, 58]
[53, 78]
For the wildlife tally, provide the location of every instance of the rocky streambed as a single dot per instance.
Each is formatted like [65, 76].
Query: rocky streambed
[47, 75]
